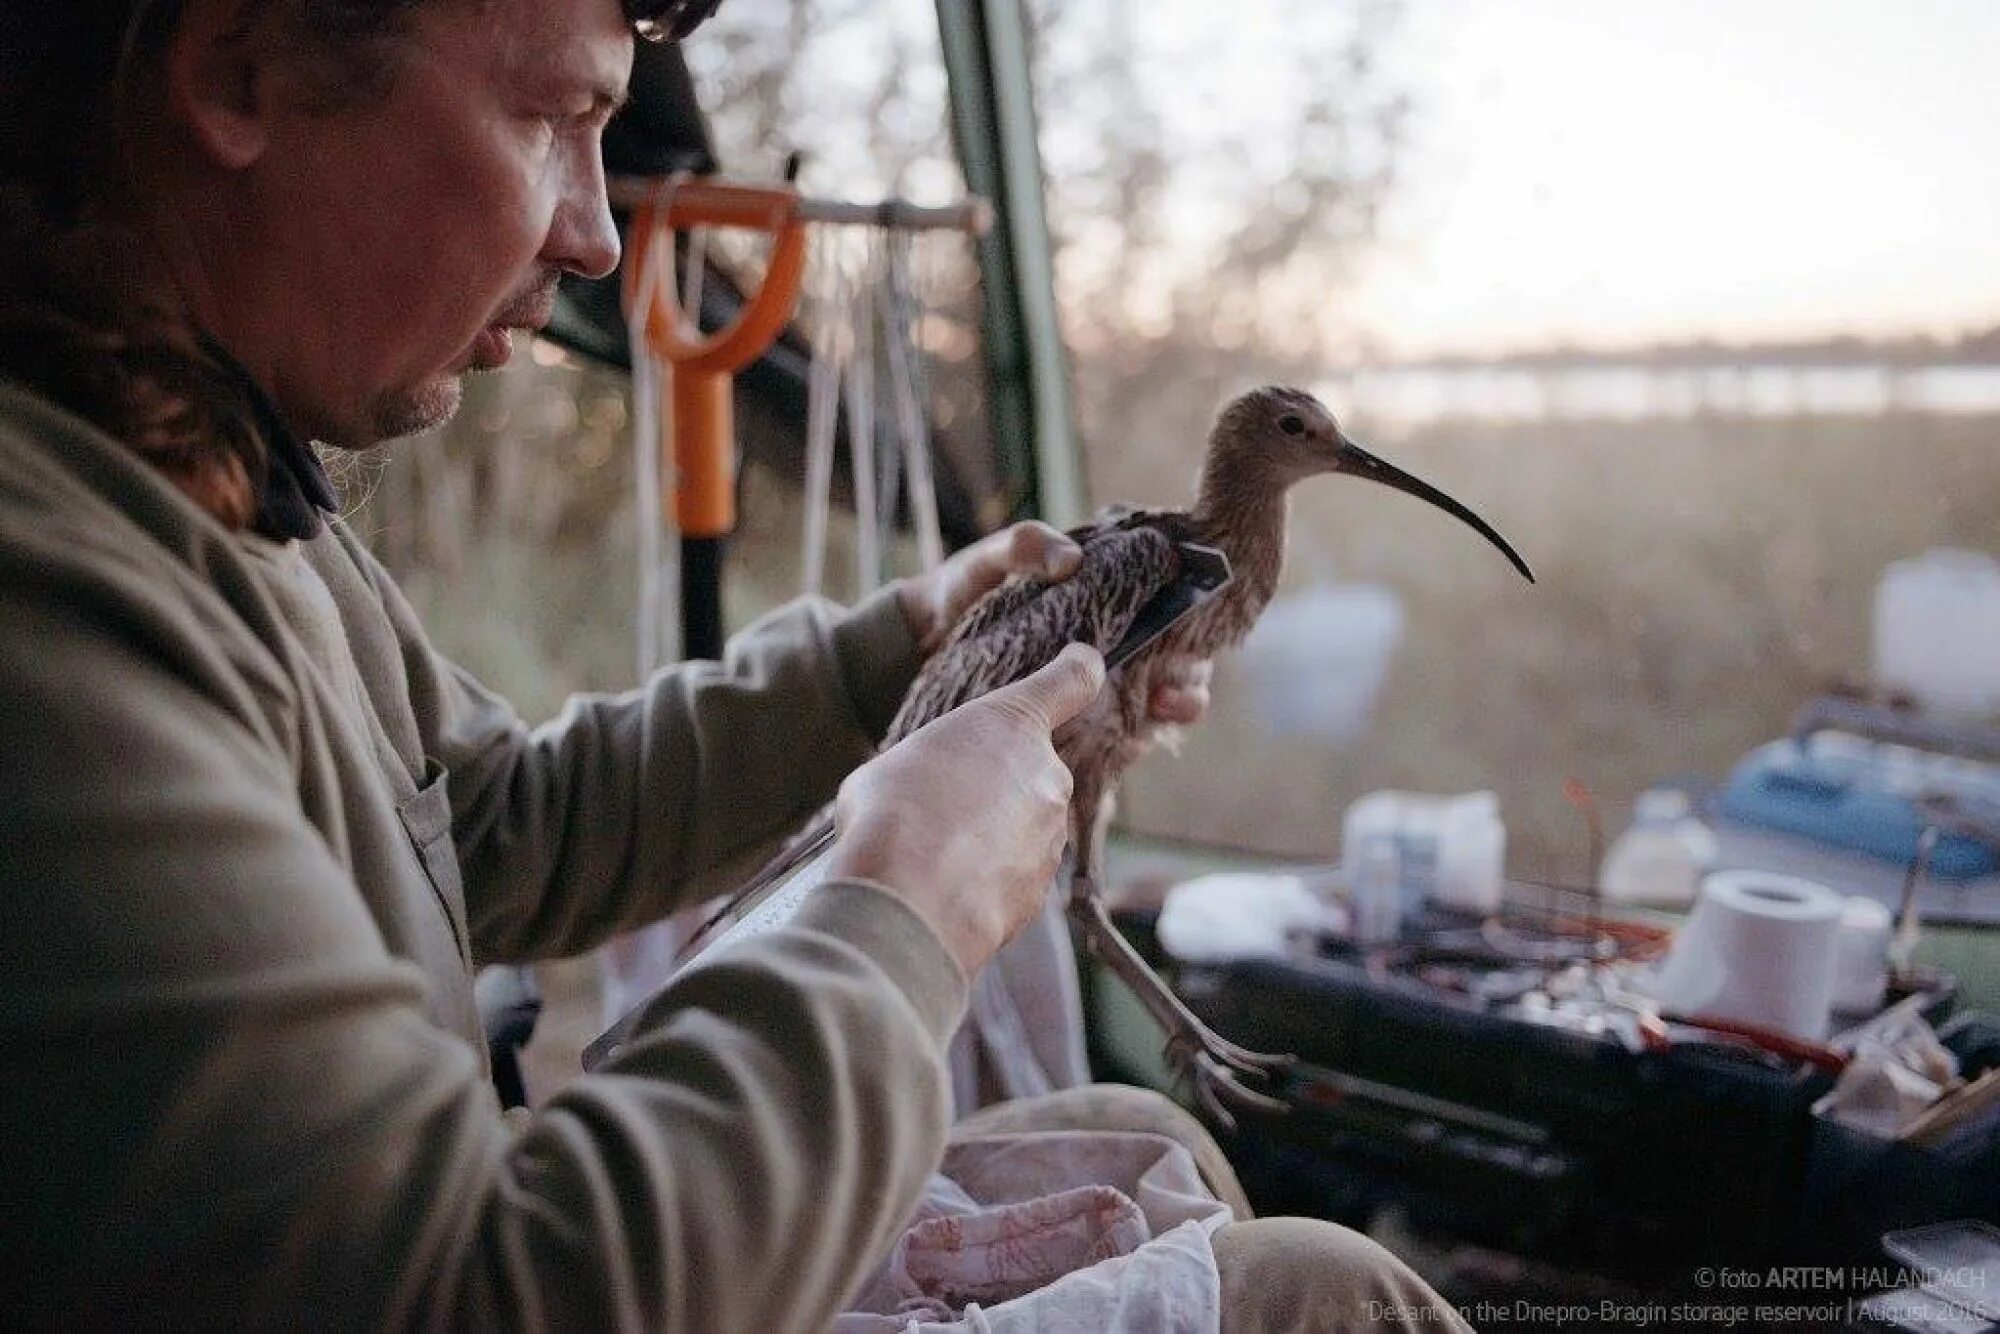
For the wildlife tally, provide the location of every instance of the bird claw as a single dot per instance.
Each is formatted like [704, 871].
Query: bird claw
[1212, 1065]
[1209, 1061]
[1261, 1064]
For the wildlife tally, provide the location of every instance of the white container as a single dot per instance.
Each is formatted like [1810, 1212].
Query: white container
[1937, 631]
[1472, 854]
[1659, 861]
[1318, 659]
[1376, 890]
[1450, 850]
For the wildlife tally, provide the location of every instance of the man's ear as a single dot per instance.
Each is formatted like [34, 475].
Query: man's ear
[218, 82]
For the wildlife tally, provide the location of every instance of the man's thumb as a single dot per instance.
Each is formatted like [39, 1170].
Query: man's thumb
[1059, 691]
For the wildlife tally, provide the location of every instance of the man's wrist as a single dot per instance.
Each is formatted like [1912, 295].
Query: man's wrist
[865, 857]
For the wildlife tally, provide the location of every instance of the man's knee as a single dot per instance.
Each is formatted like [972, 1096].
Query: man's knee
[1125, 1107]
[1116, 1107]
[1303, 1274]
[1092, 1107]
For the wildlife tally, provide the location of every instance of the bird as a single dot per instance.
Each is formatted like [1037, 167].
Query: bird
[1263, 443]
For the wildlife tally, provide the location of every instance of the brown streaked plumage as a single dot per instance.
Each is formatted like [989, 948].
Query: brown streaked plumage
[1263, 443]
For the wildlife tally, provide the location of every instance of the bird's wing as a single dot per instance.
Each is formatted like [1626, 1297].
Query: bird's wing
[1025, 623]
[1013, 598]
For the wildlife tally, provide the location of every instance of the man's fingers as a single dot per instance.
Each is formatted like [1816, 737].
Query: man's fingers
[1059, 691]
[932, 603]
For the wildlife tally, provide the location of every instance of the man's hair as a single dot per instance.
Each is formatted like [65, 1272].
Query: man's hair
[83, 319]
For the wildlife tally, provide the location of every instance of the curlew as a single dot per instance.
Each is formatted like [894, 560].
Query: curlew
[1263, 443]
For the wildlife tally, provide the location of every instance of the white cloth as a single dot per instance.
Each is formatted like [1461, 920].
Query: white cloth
[1086, 1231]
[1023, 1030]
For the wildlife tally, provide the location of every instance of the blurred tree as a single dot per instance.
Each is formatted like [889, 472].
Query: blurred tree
[1202, 236]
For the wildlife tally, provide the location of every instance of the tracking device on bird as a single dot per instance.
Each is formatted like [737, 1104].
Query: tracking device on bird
[772, 896]
[1204, 570]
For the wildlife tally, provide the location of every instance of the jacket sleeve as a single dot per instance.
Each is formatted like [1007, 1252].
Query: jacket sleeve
[230, 1108]
[627, 806]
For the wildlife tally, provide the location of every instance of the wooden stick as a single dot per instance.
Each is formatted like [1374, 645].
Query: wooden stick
[1938, 1120]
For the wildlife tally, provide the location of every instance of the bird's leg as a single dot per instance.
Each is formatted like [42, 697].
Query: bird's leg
[1209, 1060]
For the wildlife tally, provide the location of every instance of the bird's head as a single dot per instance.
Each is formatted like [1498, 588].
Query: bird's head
[1286, 435]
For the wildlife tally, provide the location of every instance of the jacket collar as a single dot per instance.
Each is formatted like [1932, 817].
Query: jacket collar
[295, 494]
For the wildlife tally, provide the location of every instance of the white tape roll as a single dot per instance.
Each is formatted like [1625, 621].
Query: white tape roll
[1759, 948]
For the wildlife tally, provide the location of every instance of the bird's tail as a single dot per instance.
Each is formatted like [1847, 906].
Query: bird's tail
[810, 843]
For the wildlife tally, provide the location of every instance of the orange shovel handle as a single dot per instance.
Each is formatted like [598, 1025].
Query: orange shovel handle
[702, 488]
[694, 203]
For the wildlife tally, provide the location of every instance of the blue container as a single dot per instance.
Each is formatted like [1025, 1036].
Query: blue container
[1862, 798]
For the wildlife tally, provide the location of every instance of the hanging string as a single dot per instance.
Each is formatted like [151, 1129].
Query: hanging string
[866, 321]
[823, 378]
[901, 320]
[648, 430]
[890, 451]
[861, 434]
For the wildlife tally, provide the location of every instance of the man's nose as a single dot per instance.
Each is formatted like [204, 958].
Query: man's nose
[582, 237]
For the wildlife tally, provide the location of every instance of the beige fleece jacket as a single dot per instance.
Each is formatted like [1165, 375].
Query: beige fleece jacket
[254, 837]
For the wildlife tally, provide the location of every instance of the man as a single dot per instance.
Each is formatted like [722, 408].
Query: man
[256, 834]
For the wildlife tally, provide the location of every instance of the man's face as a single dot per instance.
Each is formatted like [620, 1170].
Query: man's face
[420, 228]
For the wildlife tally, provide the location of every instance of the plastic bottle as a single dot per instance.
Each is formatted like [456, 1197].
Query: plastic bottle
[1378, 814]
[1376, 886]
[1659, 861]
[1449, 850]
[1472, 854]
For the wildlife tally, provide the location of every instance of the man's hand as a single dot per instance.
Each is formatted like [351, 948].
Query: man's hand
[933, 602]
[965, 819]
[1180, 690]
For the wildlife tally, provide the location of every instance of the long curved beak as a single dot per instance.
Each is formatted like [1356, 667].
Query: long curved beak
[1358, 462]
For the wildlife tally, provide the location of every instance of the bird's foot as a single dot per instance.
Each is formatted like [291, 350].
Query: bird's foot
[1213, 1064]
[1214, 1067]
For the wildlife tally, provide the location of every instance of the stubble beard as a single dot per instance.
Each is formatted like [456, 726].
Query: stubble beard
[404, 412]
[412, 410]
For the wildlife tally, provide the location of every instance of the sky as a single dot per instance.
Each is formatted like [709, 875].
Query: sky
[1621, 171]
[1589, 172]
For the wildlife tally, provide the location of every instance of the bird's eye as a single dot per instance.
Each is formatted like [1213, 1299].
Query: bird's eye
[1292, 424]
